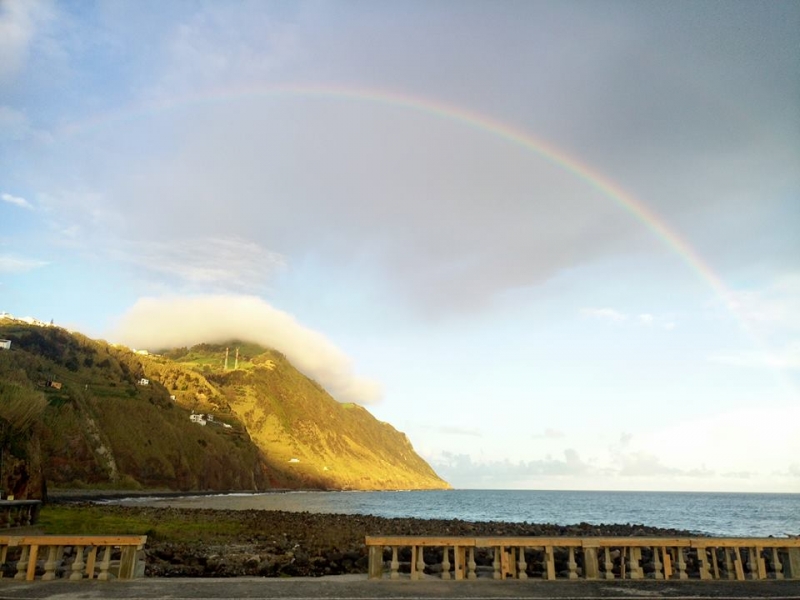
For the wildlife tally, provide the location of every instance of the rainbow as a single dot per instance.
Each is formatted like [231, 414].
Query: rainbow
[480, 122]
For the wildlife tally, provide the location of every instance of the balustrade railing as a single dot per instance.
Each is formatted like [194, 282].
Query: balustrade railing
[18, 513]
[73, 557]
[584, 558]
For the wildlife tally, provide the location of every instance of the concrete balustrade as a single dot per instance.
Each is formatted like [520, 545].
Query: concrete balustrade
[609, 558]
[18, 513]
[74, 557]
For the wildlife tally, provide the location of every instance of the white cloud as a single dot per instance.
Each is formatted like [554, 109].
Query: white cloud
[786, 358]
[462, 431]
[775, 307]
[461, 470]
[616, 316]
[16, 200]
[157, 323]
[15, 264]
[604, 313]
[218, 263]
[19, 22]
[13, 124]
[549, 434]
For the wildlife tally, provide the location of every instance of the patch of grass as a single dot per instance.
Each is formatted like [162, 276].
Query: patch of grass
[158, 524]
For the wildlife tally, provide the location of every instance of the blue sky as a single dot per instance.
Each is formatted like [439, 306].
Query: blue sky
[176, 172]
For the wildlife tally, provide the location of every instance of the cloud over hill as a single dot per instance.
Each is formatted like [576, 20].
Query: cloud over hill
[156, 323]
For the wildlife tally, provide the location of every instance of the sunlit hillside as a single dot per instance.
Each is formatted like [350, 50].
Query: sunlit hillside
[115, 417]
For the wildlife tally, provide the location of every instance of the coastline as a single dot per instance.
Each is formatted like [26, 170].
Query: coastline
[202, 542]
[75, 495]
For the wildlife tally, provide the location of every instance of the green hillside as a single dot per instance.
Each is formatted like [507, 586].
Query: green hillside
[264, 425]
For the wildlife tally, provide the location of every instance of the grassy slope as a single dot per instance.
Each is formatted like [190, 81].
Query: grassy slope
[103, 429]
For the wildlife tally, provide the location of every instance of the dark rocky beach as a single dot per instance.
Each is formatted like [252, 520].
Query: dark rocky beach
[292, 544]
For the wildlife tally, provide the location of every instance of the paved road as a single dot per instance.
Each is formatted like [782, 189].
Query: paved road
[359, 588]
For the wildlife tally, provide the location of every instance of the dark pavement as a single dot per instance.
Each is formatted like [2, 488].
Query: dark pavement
[358, 587]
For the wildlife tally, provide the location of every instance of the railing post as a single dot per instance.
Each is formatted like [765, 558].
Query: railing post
[127, 562]
[737, 564]
[375, 562]
[702, 559]
[591, 568]
[394, 566]
[791, 568]
[446, 563]
[521, 564]
[459, 556]
[31, 573]
[550, 562]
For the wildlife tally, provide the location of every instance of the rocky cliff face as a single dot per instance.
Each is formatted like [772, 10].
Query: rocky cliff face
[115, 418]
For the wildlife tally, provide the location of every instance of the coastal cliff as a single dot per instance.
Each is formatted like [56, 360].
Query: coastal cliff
[117, 418]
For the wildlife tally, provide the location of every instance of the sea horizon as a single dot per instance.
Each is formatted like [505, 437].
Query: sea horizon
[728, 514]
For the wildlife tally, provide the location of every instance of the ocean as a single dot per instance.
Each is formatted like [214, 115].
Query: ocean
[718, 514]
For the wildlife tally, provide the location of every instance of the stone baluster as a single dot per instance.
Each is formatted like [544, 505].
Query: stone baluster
[394, 566]
[572, 565]
[658, 567]
[776, 564]
[446, 563]
[471, 565]
[521, 564]
[77, 564]
[496, 564]
[53, 556]
[680, 563]
[420, 561]
[608, 564]
[105, 564]
[635, 562]
[22, 563]
[25, 515]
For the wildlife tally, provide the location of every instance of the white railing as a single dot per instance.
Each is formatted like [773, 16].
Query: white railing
[584, 558]
[18, 513]
[74, 557]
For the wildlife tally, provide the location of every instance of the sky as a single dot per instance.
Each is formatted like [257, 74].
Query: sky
[555, 243]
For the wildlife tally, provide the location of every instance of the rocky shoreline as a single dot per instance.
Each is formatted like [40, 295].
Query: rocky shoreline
[292, 544]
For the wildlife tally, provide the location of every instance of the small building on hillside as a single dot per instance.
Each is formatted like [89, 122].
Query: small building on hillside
[198, 418]
[5, 344]
[144, 381]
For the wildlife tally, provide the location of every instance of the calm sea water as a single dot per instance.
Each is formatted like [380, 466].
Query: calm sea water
[721, 514]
